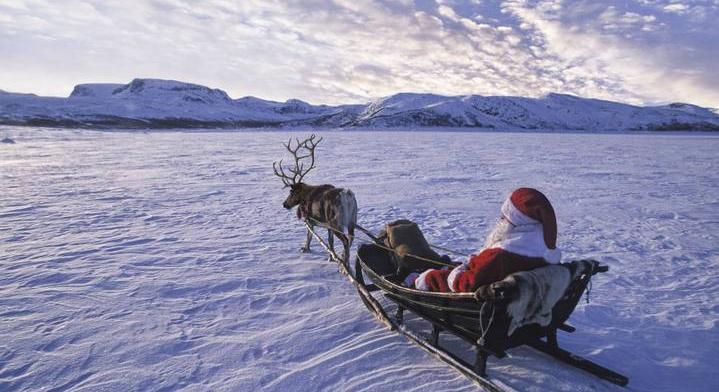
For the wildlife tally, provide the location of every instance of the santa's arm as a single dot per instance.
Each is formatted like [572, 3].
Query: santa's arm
[432, 280]
[483, 268]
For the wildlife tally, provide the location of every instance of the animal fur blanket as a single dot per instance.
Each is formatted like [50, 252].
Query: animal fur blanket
[539, 290]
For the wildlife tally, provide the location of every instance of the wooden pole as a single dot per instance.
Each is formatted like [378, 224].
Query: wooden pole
[376, 307]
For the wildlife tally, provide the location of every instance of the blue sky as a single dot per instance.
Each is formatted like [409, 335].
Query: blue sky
[341, 51]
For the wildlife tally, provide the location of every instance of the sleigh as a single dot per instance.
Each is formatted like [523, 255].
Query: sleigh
[479, 319]
[486, 319]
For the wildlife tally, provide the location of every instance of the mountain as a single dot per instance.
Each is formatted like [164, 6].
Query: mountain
[155, 103]
[553, 111]
[96, 90]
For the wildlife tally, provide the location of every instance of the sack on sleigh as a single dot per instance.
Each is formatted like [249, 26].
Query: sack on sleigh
[412, 252]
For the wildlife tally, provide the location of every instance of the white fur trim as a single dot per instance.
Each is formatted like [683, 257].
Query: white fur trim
[515, 216]
[455, 274]
[553, 255]
[421, 282]
[525, 240]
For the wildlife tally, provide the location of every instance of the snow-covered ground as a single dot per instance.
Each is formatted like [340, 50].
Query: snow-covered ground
[165, 261]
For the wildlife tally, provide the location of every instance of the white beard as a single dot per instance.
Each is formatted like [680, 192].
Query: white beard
[499, 233]
[525, 240]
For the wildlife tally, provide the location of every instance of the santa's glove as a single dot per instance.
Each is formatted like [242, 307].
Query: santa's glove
[484, 293]
[409, 280]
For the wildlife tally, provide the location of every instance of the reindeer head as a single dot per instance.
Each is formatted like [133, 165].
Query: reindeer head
[298, 171]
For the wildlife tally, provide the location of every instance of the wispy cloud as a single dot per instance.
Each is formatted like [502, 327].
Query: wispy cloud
[353, 50]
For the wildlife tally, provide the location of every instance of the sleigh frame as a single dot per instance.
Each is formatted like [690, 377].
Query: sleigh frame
[480, 320]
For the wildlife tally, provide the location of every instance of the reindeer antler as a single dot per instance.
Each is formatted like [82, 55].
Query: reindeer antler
[298, 170]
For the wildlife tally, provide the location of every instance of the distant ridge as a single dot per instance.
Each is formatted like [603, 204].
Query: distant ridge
[155, 103]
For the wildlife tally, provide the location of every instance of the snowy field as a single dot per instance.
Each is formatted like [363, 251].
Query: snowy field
[165, 261]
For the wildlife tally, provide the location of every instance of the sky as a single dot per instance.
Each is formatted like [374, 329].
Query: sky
[643, 52]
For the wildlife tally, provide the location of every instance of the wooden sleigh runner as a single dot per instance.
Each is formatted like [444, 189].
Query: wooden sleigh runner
[479, 319]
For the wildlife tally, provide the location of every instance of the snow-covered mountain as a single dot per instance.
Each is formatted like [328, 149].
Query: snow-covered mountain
[553, 111]
[95, 90]
[154, 103]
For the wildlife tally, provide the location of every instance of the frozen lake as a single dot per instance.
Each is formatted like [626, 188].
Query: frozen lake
[165, 261]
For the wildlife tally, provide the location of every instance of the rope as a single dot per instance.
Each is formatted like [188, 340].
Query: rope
[482, 330]
[449, 250]
[589, 286]
[322, 224]
[376, 242]
[366, 232]
[436, 262]
[590, 274]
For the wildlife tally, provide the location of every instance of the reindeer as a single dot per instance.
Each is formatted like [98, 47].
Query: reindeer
[323, 205]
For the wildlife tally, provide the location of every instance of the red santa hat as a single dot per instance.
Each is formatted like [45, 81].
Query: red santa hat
[528, 206]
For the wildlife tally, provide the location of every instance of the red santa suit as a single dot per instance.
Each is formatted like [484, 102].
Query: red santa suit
[524, 239]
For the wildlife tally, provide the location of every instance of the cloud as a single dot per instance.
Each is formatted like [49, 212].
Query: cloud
[676, 8]
[354, 50]
[626, 55]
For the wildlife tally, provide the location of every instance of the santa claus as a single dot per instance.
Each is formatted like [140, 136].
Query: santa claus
[524, 238]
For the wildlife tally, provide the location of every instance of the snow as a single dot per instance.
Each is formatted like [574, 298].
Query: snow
[165, 261]
[95, 90]
[144, 103]
[553, 111]
[157, 103]
[157, 89]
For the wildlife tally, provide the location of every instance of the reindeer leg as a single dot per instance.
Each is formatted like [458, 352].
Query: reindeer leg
[348, 243]
[351, 234]
[346, 253]
[331, 242]
[306, 248]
